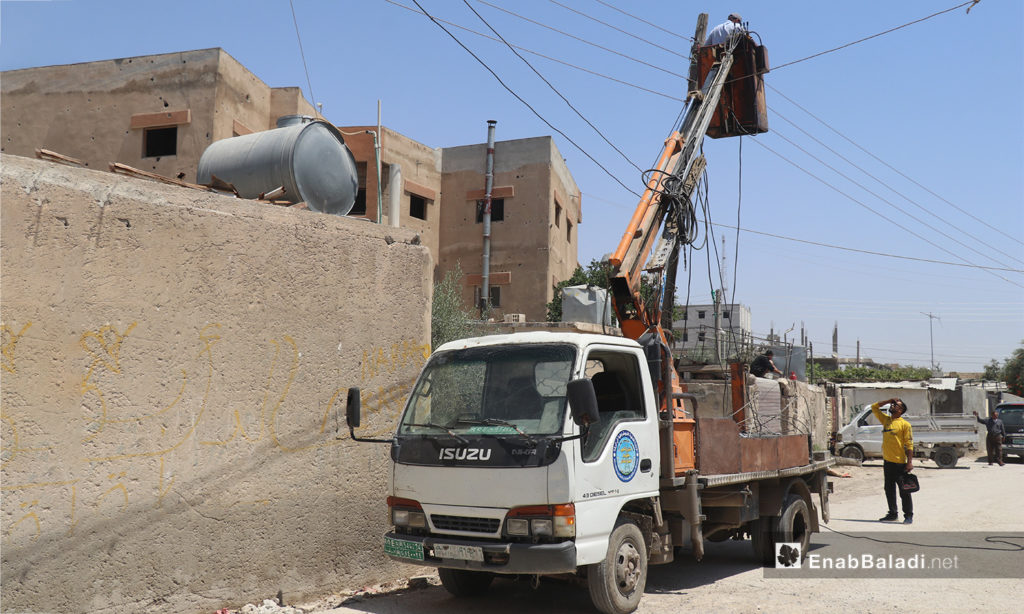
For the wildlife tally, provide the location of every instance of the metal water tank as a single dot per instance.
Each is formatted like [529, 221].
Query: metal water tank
[307, 157]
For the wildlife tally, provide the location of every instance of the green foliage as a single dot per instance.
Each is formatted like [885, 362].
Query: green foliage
[596, 274]
[1013, 372]
[449, 317]
[993, 372]
[869, 374]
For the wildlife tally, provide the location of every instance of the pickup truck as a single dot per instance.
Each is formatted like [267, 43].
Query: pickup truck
[943, 439]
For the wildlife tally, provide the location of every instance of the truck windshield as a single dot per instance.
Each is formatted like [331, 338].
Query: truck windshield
[496, 390]
[1012, 416]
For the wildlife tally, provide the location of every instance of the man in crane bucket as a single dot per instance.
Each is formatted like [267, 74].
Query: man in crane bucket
[722, 32]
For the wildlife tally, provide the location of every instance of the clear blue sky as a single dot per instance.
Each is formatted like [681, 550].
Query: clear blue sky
[938, 101]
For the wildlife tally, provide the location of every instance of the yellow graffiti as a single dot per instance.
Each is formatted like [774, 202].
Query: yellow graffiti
[108, 351]
[8, 343]
[401, 355]
[119, 486]
[9, 449]
[31, 515]
[160, 489]
[209, 339]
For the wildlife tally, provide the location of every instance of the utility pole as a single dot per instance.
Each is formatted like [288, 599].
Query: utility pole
[931, 339]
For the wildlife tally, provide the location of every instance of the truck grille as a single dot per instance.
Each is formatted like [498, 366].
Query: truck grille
[465, 523]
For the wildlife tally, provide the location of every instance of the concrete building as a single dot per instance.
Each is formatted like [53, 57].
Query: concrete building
[697, 327]
[159, 113]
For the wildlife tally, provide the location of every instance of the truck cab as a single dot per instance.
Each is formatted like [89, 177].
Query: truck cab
[1012, 415]
[491, 473]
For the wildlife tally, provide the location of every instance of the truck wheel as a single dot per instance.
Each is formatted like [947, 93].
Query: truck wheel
[795, 524]
[945, 457]
[465, 583]
[617, 583]
[853, 452]
[762, 538]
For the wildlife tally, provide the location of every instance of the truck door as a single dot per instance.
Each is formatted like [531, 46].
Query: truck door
[619, 459]
[869, 434]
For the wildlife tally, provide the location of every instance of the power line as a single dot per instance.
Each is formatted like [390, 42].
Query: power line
[867, 38]
[553, 88]
[653, 25]
[894, 169]
[520, 99]
[905, 197]
[302, 53]
[620, 30]
[807, 172]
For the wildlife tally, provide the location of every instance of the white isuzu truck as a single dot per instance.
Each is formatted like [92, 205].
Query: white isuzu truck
[566, 453]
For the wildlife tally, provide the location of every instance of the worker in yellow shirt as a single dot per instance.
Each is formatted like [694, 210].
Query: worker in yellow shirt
[897, 456]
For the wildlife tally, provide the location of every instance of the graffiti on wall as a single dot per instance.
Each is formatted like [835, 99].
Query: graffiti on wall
[134, 429]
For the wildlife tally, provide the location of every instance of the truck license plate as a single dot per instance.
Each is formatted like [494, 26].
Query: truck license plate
[403, 549]
[463, 553]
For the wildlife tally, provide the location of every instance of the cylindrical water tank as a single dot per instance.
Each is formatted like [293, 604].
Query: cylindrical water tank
[309, 159]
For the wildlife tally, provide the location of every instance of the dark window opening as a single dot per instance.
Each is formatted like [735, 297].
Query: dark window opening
[700, 315]
[558, 214]
[160, 142]
[417, 207]
[725, 314]
[495, 297]
[700, 336]
[568, 231]
[686, 337]
[497, 210]
[360, 207]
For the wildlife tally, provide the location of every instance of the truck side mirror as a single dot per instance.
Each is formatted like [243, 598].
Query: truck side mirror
[583, 400]
[352, 405]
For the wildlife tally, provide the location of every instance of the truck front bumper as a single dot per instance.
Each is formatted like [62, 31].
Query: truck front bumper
[498, 557]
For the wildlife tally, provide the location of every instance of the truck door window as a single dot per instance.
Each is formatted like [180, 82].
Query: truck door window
[616, 378]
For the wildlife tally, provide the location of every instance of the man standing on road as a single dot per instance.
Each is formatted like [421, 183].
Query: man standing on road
[897, 456]
[994, 437]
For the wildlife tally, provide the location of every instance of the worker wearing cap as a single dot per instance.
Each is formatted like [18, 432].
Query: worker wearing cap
[722, 32]
[897, 456]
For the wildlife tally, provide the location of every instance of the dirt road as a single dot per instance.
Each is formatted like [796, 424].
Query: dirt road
[969, 497]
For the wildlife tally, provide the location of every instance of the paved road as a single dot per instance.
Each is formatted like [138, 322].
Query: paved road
[969, 497]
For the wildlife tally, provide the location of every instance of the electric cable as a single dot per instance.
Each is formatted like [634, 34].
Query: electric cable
[991, 539]
[905, 197]
[553, 88]
[620, 30]
[302, 53]
[834, 188]
[520, 99]
[892, 168]
[653, 25]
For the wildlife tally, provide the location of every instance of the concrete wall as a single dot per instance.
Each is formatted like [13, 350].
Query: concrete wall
[174, 373]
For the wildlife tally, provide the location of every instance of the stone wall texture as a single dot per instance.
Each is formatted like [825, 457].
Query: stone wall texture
[174, 369]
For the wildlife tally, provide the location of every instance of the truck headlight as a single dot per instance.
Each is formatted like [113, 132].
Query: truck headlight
[407, 513]
[542, 520]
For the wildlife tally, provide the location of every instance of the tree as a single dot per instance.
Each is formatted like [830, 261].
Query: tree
[869, 374]
[1013, 372]
[993, 372]
[449, 317]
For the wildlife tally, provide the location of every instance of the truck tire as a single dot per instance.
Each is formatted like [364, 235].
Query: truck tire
[762, 539]
[945, 457]
[795, 524]
[617, 583]
[465, 583]
[852, 452]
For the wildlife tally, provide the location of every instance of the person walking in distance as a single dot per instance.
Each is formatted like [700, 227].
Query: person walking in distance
[897, 456]
[996, 431]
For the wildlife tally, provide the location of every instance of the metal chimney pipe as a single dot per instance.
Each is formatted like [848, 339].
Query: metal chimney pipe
[485, 290]
[394, 194]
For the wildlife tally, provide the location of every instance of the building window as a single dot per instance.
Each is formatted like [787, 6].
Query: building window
[497, 210]
[568, 230]
[558, 214]
[686, 337]
[686, 315]
[158, 142]
[417, 207]
[725, 314]
[360, 207]
[700, 336]
[700, 315]
[495, 296]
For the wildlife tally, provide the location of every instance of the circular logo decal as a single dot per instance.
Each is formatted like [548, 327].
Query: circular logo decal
[624, 456]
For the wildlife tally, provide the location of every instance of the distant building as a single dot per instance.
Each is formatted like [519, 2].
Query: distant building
[159, 113]
[696, 329]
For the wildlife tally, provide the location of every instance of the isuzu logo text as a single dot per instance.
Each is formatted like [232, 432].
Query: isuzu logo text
[481, 454]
